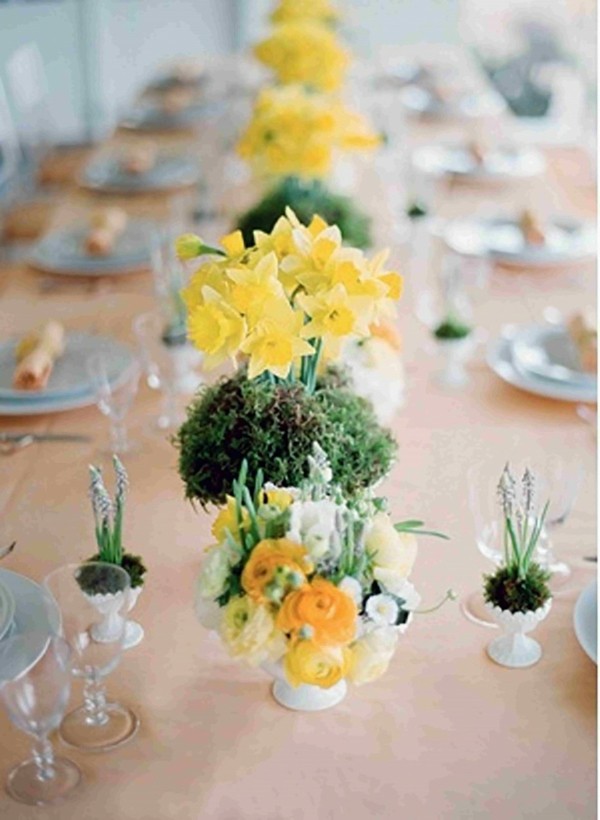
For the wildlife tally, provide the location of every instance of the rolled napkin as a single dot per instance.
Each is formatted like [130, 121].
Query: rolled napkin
[36, 355]
[107, 225]
[176, 100]
[139, 159]
[582, 329]
[187, 71]
[476, 151]
[531, 228]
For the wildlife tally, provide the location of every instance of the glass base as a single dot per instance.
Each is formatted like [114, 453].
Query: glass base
[474, 609]
[560, 576]
[23, 783]
[120, 727]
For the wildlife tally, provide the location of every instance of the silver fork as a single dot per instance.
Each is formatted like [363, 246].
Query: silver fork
[10, 446]
[7, 550]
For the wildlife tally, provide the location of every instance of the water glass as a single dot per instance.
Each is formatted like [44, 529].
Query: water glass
[114, 398]
[34, 688]
[93, 599]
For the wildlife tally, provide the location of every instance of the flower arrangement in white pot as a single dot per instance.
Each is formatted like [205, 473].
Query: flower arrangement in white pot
[517, 593]
[108, 516]
[309, 585]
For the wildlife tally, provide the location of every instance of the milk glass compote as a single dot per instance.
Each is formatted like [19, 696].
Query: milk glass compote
[93, 599]
[35, 694]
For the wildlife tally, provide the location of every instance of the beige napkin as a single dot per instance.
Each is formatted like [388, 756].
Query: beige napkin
[107, 225]
[583, 331]
[176, 100]
[36, 355]
[533, 231]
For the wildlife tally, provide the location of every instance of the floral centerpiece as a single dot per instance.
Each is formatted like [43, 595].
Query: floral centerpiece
[284, 305]
[305, 52]
[309, 584]
[291, 141]
[108, 517]
[322, 11]
[517, 593]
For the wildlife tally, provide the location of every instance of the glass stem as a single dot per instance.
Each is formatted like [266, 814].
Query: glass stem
[169, 408]
[94, 699]
[118, 437]
[43, 756]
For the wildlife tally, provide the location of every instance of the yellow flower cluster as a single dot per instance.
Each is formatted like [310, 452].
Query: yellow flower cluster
[318, 10]
[293, 132]
[294, 293]
[304, 52]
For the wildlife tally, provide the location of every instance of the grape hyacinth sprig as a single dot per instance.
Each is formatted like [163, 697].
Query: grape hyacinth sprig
[108, 514]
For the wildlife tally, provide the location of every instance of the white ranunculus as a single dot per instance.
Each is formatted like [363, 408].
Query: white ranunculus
[208, 611]
[382, 609]
[394, 552]
[312, 523]
[213, 575]
[371, 654]
[352, 588]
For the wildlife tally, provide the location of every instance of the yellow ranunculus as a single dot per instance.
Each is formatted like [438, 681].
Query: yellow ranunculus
[307, 663]
[248, 631]
[267, 558]
[216, 328]
[394, 552]
[226, 522]
[324, 609]
[275, 343]
[278, 497]
[370, 656]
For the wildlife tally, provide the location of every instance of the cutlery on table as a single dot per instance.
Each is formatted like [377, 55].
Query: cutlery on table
[7, 550]
[11, 442]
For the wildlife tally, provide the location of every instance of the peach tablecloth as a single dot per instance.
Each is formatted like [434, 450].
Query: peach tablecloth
[445, 733]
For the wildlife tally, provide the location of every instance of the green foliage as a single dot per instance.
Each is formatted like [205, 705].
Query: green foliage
[307, 199]
[273, 427]
[451, 328]
[95, 580]
[508, 589]
[416, 210]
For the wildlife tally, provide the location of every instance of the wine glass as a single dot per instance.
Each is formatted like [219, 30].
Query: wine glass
[93, 598]
[35, 695]
[114, 398]
[166, 362]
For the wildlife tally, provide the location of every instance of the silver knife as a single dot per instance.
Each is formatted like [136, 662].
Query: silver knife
[43, 437]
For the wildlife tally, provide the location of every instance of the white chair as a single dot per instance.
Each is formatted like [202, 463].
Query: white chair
[10, 151]
[28, 89]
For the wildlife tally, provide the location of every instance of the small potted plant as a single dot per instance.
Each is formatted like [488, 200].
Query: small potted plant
[108, 515]
[517, 593]
[453, 339]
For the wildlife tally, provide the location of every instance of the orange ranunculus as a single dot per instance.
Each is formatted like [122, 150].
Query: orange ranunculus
[324, 609]
[266, 557]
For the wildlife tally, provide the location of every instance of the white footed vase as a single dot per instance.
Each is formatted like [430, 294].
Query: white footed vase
[303, 698]
[110, 605]
[514, 648]
[454, 354]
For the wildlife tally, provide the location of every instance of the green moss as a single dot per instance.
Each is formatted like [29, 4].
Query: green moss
[507, 590]
[307, 199]
[416, 210]
[451, 328]
[94, 580]
[274, 427]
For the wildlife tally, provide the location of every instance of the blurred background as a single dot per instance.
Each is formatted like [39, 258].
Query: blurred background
[95, 55]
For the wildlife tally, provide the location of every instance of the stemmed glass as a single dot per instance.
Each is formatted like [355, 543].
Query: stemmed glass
[35, 695]
[93, 599]
[114, 398]
[165, 362]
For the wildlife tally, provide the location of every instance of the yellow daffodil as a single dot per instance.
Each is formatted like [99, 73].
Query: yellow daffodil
[216, 328]
[252, 287]
[233, 243]
[189, 246]
[275, 343]
[333, 314]
[211, 275]
[318, 10]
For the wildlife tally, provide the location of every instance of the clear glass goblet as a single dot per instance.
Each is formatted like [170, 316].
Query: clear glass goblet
[93, 599]
[34, 688]
[114, 399]
[166, 361]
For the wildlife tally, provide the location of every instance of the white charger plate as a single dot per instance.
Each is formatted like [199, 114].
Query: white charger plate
[35, 614]
[7, 609]
[548, 351]
[501, 239]
[585, 620]
[500, 360]
[498, 164]
[422, 102]
[169, 171]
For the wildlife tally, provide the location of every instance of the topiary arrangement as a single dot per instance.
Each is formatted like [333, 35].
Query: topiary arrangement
[451, 328]
[307, 198]
[511, 591]
[274, 426]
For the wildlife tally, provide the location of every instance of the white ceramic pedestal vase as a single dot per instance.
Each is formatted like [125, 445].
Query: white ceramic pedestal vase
[110, 605]
[454, 353]
[513, 648]
[303, 698]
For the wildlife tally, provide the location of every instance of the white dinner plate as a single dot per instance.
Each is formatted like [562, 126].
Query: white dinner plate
[422, 102]
[35, 614]
[502, 163]
[152, 117]
[169, 171]
[501, 239]
[500, 359]
[7, 609]
[550, 352]
[585, 620]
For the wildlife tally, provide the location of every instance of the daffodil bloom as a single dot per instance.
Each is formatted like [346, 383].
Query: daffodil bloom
[233, 243]
[318, 10]
[252, 287]
[188, 246]
[275, 342]
[216, 328]
[212, 275]
[333, 314]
